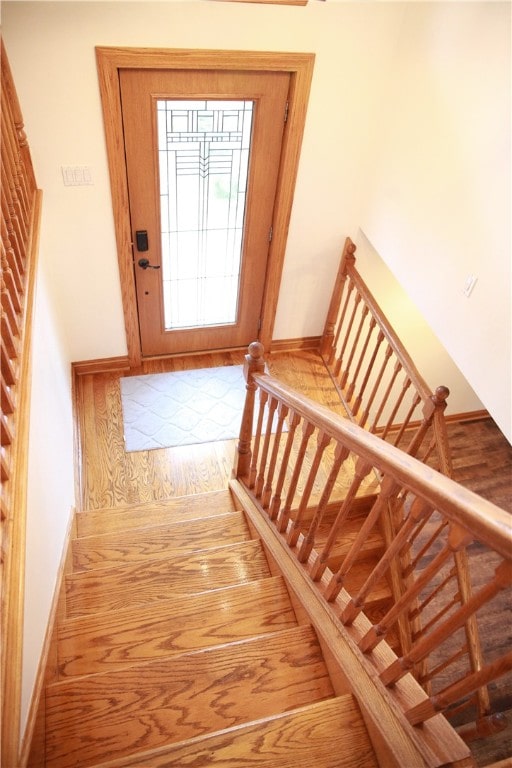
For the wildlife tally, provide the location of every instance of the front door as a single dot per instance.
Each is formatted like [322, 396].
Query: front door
[203, 153]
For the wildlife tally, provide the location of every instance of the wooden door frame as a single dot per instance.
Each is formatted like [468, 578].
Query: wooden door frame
[109, 62]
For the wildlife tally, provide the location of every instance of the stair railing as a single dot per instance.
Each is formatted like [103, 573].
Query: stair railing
[291, 453]
[20, 216]
[374, 374]
[383, 391]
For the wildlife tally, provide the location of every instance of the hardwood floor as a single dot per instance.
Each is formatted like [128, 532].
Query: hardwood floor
[111, 478]
[482, 457]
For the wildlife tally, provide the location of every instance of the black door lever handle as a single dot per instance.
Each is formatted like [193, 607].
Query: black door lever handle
[144, 264]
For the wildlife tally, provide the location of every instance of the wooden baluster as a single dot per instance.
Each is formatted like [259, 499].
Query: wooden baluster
[426, 546]
[339, 371]
[441, 701]
[272, 405]
[362, 354]
[284, 515]
[12, 160]
[294, 419]
[355, 343]
[10, 238]
[323, 441]
[419, 511]
[8, 369]
[328, 345]
[422, 648]
[396, 370]
[340, 455]
[9, 257]
[8, 338]
[6, 436]
[416, 400]
[282, 412]
[7, 403]
[8, 308]
[17, 119]
[366, 412]
[10, 285]
[369, 368]
[471, 628]
[257, 439]
[389, 488]
[427, 678]
[361, 470]
[405, 386]
[455, 600]
[16, 233]
[254, 363]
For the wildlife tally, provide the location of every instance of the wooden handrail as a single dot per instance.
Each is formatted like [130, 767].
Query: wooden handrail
[21, 211]
[290, 472]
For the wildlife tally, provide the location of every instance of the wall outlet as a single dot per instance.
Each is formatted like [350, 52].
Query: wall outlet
[469, 285]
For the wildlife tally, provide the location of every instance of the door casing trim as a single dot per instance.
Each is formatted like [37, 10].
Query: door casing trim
[300, 68]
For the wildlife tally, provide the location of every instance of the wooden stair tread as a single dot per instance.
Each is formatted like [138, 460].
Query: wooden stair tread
[135, 584]
[91, 522]
[116, 548]
[169, 700]
[373, 545]
[116, 639]
[327, 734]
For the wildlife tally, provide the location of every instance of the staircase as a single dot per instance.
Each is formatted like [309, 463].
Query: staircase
[178, 646]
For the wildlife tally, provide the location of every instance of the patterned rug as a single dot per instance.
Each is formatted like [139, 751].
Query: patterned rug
[164, 410]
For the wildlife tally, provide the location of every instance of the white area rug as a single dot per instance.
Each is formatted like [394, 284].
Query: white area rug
[164, 410]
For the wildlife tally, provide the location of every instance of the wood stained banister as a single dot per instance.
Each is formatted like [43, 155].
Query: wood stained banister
[21, 211]
[353, 318]
[289, 473]
[488, 523]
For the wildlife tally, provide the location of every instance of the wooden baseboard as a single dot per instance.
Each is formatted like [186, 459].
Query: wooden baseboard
[449, 419]
[309, 343]
[32, 745]
[468, 416]
[103, 365]
[122, 363]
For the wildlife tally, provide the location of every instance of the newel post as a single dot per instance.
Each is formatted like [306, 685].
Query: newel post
[254, 363]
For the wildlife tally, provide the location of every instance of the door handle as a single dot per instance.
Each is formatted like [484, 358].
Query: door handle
[144, 264]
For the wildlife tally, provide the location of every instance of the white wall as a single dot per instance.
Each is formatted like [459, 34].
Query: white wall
[363, 50]
[50, 493]
[438, 208]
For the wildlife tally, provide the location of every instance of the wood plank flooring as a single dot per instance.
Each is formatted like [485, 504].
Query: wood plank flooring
[111, 478]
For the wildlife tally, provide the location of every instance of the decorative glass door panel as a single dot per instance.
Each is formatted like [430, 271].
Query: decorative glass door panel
[203, 149]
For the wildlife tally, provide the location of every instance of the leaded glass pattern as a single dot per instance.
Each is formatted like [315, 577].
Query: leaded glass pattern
[203, 149]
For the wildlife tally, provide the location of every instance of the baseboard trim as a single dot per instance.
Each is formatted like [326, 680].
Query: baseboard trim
[449, 419]
[32, 751]
[103, 365]
[468, 416]
[122, 363]
[306, 343]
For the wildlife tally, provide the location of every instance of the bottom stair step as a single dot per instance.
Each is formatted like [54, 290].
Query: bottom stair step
[105, 716]
[328, 734]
